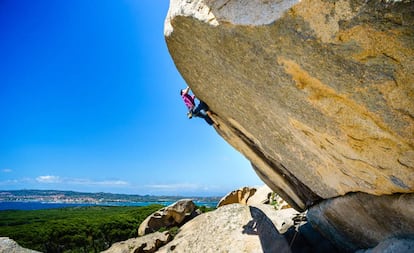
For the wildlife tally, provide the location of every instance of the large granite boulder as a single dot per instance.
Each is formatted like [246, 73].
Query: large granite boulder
[8, 245]
[392, 245]
[145, 244]
[175, 214]
[317, 94]
[347, 219]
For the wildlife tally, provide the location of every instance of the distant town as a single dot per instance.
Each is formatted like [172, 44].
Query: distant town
[55, 196]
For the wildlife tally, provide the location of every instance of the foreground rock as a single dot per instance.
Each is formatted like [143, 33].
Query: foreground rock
[145, 244]
[348, 219]
[317, 94]
[239, 228]
[231, 228]
[7, 245]
[170, 216]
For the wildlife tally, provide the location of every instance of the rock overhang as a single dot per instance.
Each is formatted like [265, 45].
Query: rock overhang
[318, 94]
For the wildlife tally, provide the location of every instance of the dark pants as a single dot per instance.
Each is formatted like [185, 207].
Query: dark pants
[198, 112]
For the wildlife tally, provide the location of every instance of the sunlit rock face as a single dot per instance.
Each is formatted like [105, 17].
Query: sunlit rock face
[318, 95]
[175, 214]
[232, 228]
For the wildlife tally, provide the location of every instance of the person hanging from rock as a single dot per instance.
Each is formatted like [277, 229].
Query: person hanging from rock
[201, 110]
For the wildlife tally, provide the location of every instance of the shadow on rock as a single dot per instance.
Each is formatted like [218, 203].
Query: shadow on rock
[270, 238]
[304, 239]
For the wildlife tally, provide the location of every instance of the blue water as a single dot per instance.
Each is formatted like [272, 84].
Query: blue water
[35, 205]
[48, 205]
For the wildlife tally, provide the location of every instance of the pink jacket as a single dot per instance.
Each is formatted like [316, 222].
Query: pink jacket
[189, 101]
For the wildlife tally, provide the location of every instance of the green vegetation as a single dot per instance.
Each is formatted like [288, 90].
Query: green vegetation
[173, 231]
[80, 229]
[205, 209]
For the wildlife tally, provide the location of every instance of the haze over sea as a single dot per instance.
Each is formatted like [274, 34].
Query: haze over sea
[35, 205]
[47, 199]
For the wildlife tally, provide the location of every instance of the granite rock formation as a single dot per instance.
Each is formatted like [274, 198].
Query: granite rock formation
[317, 94]
[230, 228]
[375, 219]
[175, 214]
[240, 196]
[240, 228]
[262, 195]
[145, 244]
[254, 196]
[392, 245]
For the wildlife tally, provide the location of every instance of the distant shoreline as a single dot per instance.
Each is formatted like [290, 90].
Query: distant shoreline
[84, 197]
[47, 199]
[38, 205]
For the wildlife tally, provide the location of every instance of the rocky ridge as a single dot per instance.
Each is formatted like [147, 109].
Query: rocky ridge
[318, 95]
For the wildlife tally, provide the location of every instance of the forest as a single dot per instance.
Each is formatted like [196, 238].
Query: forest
[76, 229]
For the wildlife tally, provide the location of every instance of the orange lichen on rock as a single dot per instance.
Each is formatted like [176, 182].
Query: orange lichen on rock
[365, 141]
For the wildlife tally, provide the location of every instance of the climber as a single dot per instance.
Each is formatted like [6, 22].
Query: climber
[193, 110]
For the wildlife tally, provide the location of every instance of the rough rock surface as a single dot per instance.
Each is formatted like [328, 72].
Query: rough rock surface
[175, 214]
[240, 196]
[7, 245]
[231, 228]
[393, 245]
[146, 244]
[239, 228]
[261, 196]
[347, 219]
[317, 94]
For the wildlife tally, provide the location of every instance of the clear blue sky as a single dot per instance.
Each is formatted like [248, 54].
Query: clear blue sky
[89, 99]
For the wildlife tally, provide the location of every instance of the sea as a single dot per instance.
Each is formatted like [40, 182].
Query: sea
[36, 205]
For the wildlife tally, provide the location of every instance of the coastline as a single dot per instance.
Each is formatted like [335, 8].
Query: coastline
[41, 205]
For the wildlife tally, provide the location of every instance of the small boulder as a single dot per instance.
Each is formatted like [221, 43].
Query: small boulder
[174, 215]
[239, 196]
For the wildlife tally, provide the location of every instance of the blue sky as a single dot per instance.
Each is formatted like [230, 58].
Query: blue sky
[89, 99]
